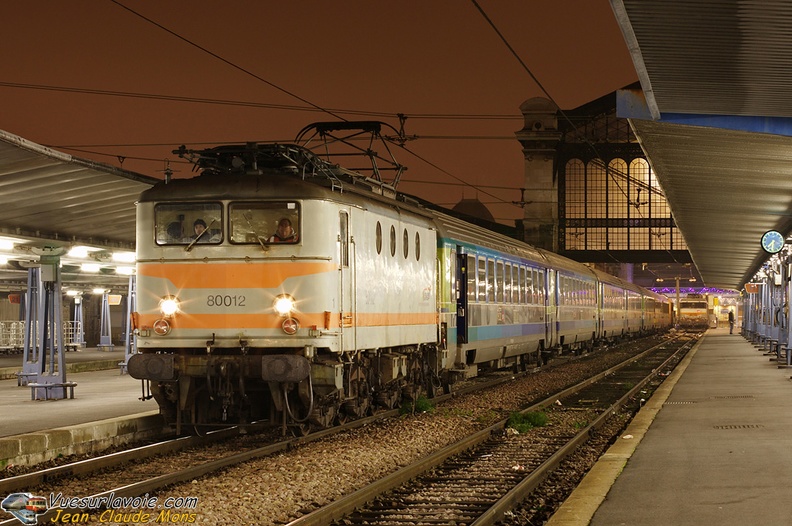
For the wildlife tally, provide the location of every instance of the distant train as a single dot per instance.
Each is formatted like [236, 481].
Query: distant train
[278, 287]
[693, 312]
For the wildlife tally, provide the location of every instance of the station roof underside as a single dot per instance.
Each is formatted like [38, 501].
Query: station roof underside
[714, 119]
[53, 201]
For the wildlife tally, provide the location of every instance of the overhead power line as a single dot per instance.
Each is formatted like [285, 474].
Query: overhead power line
[226, 61]
[311, 105]
[252, 104]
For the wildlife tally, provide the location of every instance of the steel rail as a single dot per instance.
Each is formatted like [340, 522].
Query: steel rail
[24, 482]
[349, 503]
[519, 493]
[84, 467]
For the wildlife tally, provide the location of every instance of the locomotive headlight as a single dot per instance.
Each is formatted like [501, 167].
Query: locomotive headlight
[169, 306]
[283, 304]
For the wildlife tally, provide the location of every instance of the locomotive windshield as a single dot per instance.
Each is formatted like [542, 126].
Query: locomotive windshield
[186, 223]
[701, 304]
[262, 223]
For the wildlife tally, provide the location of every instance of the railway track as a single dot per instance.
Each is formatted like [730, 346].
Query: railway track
[128, 477]
[199, 456]
[478, 480]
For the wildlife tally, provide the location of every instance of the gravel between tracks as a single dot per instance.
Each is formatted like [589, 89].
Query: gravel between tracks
[278, 489]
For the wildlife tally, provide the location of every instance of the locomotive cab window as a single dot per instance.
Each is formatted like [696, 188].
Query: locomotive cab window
[267, 223]
[186, 223]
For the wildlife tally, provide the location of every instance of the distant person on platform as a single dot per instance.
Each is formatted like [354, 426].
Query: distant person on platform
[284, 234]
[731, 322]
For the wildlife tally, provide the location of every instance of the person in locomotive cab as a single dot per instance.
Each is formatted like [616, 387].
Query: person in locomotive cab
[285, 233]
[199, 226]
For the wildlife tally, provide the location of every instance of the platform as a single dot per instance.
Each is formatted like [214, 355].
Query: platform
[98, 395]
[712, 446]
[105, 410]
[89, 359]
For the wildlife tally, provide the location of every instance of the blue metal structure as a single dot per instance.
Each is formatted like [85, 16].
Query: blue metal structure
[50, 380]
[105, 334]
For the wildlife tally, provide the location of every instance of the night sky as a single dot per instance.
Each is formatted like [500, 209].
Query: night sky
[260, 69]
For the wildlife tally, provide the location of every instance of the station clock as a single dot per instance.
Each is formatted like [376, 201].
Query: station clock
[772, 242]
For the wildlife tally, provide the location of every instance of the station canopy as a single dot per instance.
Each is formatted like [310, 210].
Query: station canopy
[715, 121]
[53, 203]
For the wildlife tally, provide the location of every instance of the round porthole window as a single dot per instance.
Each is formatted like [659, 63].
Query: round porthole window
[406, 243]
[417, 247]
[379, 238]
[393, 240]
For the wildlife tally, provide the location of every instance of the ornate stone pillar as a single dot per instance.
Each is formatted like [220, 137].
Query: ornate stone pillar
[539, 138]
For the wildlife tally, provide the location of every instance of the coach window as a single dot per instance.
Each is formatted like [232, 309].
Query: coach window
[529, 287]
[565, 288]
[574, 290]
[379, 238]
[491, 281]
[482, 280]
[471, 278]
[561, 288]
[184, 223]
[507, 283]
[499, 281]
[523, 291]
[262, 223]
[515, 284]
[393, 240]
[418, 247]
[406, 243]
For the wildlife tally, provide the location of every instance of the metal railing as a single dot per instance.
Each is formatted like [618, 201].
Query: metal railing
[12, 336]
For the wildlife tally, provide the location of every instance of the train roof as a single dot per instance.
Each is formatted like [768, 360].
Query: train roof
[280, 170]
[618, 282]
[239, 171]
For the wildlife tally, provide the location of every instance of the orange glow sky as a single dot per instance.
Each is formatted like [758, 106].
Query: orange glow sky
[417, 57]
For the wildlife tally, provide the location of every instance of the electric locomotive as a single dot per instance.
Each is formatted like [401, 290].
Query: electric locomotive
[278, 287]
[236, 325]
[694, 312]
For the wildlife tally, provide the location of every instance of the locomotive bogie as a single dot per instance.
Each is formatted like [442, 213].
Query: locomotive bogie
[327, 377]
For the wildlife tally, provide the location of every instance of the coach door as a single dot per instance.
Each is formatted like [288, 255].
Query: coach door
[347, 267]
[462, 295]
[551, 308]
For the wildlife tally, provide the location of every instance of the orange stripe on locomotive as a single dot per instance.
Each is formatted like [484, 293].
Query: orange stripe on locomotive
[232, 275]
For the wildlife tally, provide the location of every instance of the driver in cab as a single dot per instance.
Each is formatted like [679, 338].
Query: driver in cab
[284, 233]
